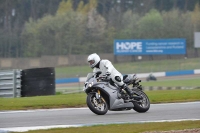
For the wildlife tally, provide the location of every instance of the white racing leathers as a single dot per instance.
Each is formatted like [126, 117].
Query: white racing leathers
[106, 66]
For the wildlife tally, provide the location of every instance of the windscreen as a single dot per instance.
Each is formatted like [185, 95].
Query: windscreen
[89, 76]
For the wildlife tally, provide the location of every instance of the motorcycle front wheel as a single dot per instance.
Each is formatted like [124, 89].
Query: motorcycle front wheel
[97, 106]
[142, 105]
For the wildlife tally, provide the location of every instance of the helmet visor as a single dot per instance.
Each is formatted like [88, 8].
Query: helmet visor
[91, 62]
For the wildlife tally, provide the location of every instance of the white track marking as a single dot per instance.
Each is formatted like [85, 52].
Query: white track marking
[39, 110]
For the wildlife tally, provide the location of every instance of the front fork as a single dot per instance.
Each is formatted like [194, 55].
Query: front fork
[98, 96]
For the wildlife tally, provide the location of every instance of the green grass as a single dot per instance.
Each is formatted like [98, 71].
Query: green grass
[134, 67]
[39, 102]
[79, 99]
[165, 96]
[187, 83]
[171, 83]
[126, 128]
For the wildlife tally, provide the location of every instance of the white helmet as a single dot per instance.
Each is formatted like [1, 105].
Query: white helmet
[93, 60]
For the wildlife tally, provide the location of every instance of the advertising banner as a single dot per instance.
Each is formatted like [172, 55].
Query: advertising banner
[150, 47]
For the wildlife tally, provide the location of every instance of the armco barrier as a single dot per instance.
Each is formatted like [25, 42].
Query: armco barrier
[10, 83]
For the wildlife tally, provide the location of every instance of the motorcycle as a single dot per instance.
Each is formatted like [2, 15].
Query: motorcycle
[151, 77]
[104, 95]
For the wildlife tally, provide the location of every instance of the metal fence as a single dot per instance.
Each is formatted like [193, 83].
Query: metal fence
[10, 83]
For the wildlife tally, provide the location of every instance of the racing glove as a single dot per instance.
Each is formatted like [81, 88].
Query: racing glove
[108, 74]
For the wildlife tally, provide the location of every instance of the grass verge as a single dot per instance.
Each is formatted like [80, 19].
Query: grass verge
[126, 128]
[171, 83]
[79, 99]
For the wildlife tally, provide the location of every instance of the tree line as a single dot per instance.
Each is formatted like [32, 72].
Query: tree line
[32, 28]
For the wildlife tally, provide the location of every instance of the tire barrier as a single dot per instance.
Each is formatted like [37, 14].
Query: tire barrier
[38, 82]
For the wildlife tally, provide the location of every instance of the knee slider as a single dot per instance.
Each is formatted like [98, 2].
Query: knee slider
[118, 79]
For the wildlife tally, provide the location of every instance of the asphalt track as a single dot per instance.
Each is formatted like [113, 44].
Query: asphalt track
[74, 117]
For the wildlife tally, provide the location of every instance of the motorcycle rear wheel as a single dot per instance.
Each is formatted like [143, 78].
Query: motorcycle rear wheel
[143, 105]
[99, 107]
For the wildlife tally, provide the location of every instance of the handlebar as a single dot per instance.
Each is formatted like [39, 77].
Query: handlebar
[103, 78]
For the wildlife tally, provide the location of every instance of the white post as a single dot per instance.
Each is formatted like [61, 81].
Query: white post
[14, 83]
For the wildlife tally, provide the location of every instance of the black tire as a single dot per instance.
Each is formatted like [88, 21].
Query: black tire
[144, 104]
[95, 108]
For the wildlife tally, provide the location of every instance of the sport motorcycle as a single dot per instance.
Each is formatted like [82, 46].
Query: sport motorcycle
[103, 94]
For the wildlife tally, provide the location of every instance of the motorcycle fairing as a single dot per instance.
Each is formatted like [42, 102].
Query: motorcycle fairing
[114, 100]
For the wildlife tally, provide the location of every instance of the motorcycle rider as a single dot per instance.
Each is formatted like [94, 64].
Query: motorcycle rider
[106, 67]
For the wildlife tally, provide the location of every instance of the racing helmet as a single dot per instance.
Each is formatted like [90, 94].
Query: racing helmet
[93, 60]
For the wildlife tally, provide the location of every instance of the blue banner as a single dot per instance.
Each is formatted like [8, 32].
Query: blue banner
[150, 47]
[67, 80]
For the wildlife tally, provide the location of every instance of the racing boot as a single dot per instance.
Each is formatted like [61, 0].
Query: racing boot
[128, 91]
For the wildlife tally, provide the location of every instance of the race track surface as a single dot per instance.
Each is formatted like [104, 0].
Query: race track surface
[83, 116]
